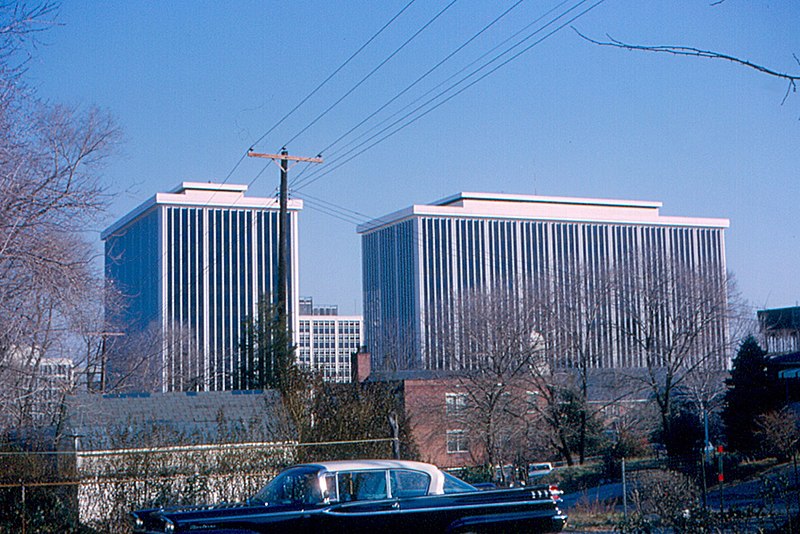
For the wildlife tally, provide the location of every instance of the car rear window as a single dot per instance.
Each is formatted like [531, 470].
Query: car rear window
[456, 485]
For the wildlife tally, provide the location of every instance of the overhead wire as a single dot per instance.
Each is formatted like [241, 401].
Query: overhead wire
[350, 91]
[373, 71]
[331, 163]
[297, 179]
[425, 75]
[338, 163]
[352, 217]
[306, 98]
[336, 214]
[452, 76]
[317, 88]
[361, 217]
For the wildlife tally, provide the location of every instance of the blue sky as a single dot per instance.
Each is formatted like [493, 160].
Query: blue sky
[194, 84]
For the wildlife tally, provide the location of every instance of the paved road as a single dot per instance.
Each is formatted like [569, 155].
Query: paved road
[776, 491]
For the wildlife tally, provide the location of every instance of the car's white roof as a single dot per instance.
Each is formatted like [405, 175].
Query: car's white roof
[350, 465]
[437, 478]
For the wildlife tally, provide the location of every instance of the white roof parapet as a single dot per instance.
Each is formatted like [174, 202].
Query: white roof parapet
[201, 194]
[505, 197]
[209, 186]
[506, 206]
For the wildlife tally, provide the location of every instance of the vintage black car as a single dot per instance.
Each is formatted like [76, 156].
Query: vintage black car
[383, 496]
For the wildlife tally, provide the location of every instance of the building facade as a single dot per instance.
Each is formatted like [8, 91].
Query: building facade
[780, 328]
[33, 388]
[327, 342]
[192, 266]
[420, 263]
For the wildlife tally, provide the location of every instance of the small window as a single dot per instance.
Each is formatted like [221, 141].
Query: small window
[409, 483]
[457, 441]
[455, 403]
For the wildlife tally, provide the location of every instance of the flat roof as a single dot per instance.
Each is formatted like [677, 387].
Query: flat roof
[505, 197]
[201, 194]
[542, 208]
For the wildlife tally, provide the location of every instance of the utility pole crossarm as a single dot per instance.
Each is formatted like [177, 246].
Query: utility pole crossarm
[283, 156]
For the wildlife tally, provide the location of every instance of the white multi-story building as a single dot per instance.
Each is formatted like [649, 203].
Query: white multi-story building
[34, 387]
[327, 342]
[418, 263]
[194, 264]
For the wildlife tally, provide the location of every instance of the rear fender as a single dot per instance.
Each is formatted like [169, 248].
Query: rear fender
[507, 522]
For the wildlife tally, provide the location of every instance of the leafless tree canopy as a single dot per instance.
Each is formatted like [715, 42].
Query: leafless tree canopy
[49, 193]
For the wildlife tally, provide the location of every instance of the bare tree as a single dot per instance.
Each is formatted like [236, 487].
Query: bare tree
[778, 433]
[49, 193]
[674, 323]
[578, 341]
[496, 346]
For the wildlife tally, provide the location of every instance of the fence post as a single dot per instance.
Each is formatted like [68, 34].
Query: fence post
[24, 509]
[624, 492]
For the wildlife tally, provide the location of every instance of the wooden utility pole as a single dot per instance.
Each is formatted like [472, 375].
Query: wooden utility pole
[284, 158]
[92, 369]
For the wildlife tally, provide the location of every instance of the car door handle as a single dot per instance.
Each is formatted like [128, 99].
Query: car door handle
[396, 506]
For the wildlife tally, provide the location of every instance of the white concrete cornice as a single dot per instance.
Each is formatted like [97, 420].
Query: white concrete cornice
[529, 207]
[203, 195]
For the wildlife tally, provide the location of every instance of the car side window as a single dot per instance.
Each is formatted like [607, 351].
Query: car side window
[294, 486]
[362, 486]
[409, 483]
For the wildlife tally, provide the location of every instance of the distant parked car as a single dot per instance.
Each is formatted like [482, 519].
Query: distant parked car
[537, 470]
[366, 496]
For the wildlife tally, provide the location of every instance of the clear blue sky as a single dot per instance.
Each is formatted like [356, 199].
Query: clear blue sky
[193, 83]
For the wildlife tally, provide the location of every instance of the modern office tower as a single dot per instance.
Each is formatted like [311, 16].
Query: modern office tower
[421, 262]
[327, 342]
[194, 264]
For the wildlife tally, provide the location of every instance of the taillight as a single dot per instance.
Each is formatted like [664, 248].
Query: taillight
[555, 493]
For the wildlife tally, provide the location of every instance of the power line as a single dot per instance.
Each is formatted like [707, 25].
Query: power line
[317, 88]
[324, 171]
[373, 71]
[356, 214]
[331, 160]
[329, 212]
[310, 180]
[334, 73]
[445, 81]
[425, 75]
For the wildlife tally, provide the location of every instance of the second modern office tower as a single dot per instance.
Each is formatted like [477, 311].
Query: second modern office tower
[420, 262]
[193, 264]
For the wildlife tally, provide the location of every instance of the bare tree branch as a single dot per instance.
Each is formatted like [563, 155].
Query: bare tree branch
[792, 79]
